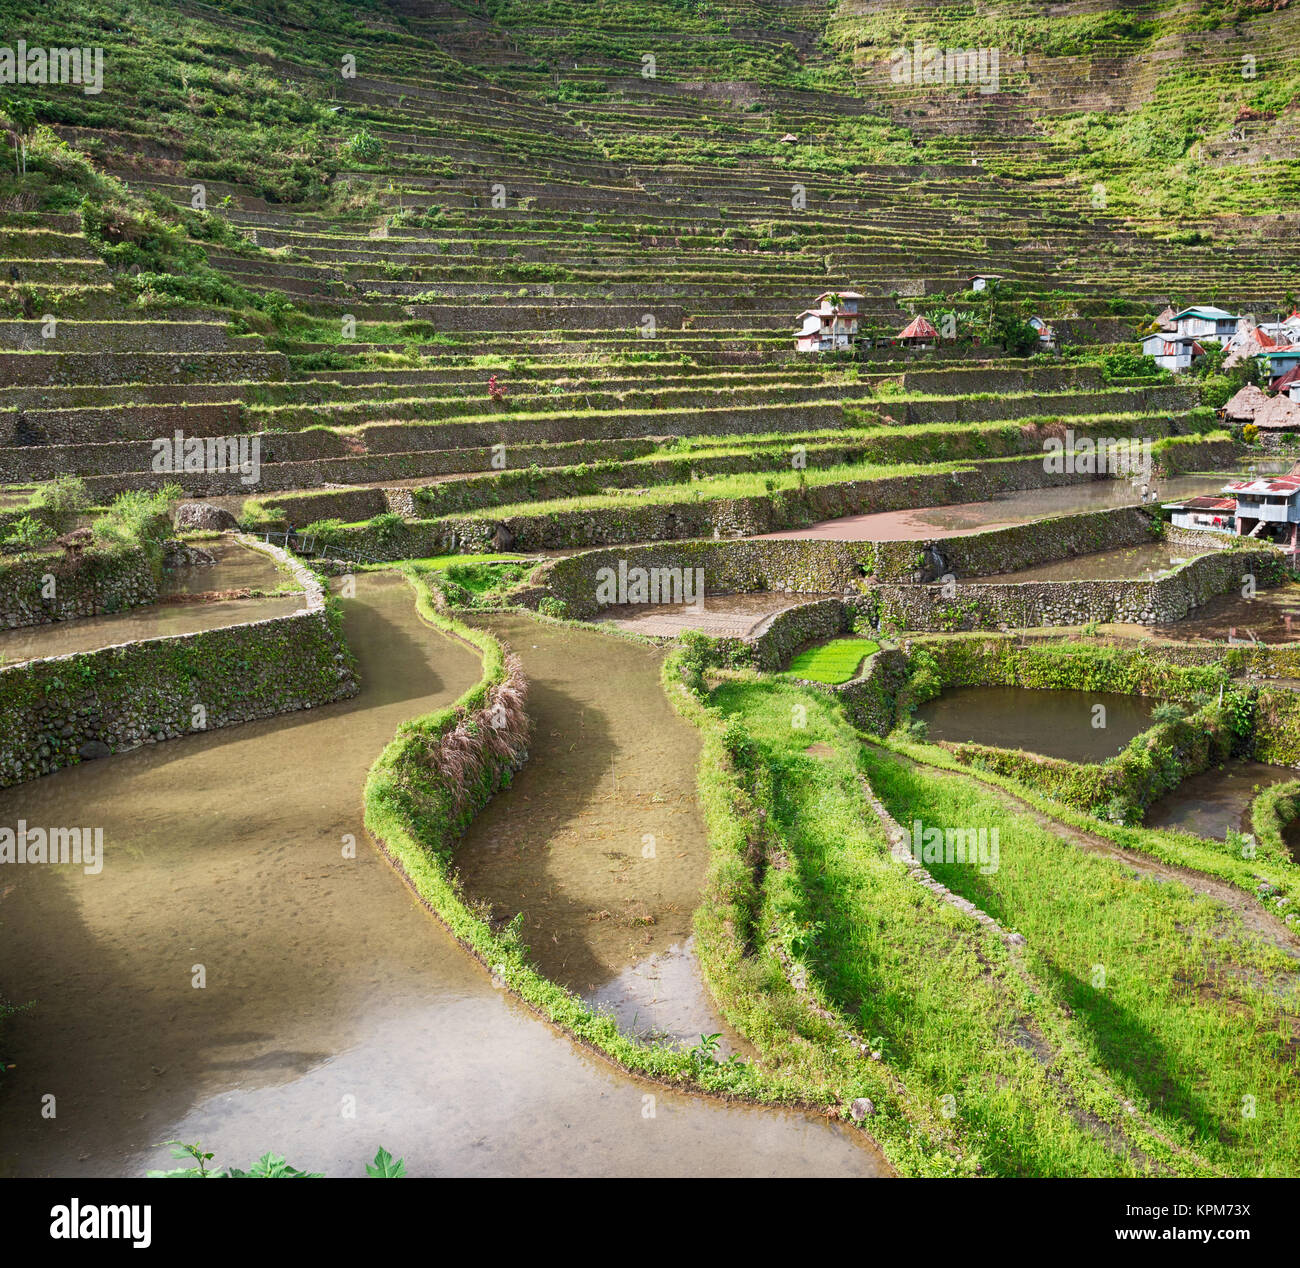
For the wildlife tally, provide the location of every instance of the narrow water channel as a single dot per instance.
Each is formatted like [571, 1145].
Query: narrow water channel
[599, 841]
[1064, 724]
[335, 1015]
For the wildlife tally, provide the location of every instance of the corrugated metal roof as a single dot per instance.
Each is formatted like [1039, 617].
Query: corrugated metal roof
[917, 328]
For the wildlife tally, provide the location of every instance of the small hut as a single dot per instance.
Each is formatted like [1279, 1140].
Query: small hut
[918, 333]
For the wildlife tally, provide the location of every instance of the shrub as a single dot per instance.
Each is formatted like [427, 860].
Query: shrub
[328, 532]
[138, 518]
[553, 607]
[62, 500]
[28, 533]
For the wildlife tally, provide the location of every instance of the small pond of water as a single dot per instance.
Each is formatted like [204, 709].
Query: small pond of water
[1052, 723]
[1210, 803]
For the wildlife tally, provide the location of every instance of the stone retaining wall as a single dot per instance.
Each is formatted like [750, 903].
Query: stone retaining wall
[752, 516]
[65, 709]
[1035, 603]
[795, 628]
[38, 591]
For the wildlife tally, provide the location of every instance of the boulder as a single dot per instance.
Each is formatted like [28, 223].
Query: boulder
[192, 517]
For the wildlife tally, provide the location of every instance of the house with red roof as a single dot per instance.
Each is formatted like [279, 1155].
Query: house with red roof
[918, 333]
[1268, 507]
[1205, 514]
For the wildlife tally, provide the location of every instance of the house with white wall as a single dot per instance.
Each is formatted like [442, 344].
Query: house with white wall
[1171, 351]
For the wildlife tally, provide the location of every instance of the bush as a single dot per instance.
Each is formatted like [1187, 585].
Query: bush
[553, 607]
[62, 500]
[327, 532]
[138, 518]
[28, 533]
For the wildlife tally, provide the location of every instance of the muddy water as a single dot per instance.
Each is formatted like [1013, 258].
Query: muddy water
[960, 519]
[1263, 618]
[1210, 803]
[1129, 563]
[718, 615]
[237, 568]
[324, 979]
[153, 621]
[1053, 723]
[610, 779]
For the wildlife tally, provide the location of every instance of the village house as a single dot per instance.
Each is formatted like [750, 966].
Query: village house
[1046, 335]
[1206, 323]
[1173, 352]
[1281, 361]
[1249, 341]
[1269, 508]
[1288, 385]
[982, 281]
[1207, 514]
[1283, 332]
[830, 327]
[918, 333]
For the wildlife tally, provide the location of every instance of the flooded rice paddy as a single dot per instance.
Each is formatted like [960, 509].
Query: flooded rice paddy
[1050, 723]
[1004, 511]
[237, 568]
[1260, 619]
[326, 986]
[1211, 803]
[718, 615]
[155, 620]
[599, 841]
[1127, 563]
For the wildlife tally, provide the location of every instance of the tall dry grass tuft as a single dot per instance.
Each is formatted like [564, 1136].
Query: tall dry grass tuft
[484, 739]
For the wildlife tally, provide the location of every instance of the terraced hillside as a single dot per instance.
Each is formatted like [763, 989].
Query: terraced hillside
[502, 296]
[509, 191]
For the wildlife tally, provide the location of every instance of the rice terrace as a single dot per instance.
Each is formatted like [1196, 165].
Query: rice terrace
[666, 588]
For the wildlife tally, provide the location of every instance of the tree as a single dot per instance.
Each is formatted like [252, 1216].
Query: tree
[21, 115]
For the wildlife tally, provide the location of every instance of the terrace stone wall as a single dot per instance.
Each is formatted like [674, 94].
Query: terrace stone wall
[96, 583]
[730, 567]
[751, 516]
[1035, 603]
[795, 628]
[871, 699]
[67, 709]
[1194, 455]
[1009, 549]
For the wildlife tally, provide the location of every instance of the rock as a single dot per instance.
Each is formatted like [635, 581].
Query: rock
[179, 555]
[194, 516]
[92, 749]
[861, 1108]
[502, 538]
